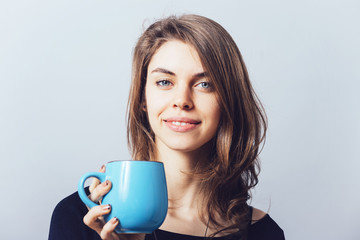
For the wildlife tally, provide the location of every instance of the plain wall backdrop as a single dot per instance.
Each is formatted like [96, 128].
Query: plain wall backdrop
[64, 78]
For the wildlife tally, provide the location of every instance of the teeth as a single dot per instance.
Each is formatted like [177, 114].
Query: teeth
[180, 123]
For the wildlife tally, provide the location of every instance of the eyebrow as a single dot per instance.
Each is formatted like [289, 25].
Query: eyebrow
[163, 70]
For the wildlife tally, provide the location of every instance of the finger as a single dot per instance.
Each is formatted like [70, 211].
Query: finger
[96, 181]
[93, 217]
[108, 229]
[100, 191]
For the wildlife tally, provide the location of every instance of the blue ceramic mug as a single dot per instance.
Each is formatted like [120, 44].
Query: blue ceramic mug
[138, 196]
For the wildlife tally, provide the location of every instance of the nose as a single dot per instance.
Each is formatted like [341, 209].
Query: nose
[183, 99]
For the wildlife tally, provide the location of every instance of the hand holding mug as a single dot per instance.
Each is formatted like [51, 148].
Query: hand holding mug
[94, 218]
[137, 200]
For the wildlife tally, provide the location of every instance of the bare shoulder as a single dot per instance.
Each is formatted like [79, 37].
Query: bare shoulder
[257, 215]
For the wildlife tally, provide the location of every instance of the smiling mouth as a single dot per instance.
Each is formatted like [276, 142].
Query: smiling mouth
[181, 122]
[181, 125]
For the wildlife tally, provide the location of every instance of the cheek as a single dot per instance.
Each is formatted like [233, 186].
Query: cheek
[155, 106]
[215, 117]
[213, 109]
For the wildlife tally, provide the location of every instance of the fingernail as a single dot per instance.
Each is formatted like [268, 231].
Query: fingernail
[102, 167]
[106, 183]
[115, 220]
[107, 207]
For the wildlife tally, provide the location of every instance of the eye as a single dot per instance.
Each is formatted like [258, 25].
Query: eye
[163, 83]
[205, 85]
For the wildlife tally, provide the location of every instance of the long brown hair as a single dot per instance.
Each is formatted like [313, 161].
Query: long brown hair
[233, 167]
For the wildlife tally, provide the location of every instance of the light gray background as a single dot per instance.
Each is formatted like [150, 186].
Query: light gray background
[65, 70]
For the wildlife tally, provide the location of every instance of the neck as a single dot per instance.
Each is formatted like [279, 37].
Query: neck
[184, 188]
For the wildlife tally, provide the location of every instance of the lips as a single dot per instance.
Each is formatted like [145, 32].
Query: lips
[181, 124]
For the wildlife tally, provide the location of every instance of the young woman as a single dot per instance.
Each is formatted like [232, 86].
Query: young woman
[192, 107]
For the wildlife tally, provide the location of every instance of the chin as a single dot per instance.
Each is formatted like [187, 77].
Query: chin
[184, 149]
[187, 147]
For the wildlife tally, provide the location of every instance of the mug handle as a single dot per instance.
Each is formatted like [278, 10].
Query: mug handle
[81, 189]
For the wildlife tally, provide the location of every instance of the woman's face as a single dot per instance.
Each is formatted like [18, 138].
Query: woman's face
[181, 104]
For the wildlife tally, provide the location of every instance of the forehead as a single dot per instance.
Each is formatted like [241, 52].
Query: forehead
[176, 55]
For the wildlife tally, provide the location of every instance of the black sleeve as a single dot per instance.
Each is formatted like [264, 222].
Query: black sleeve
[67, 221]
[266, 229]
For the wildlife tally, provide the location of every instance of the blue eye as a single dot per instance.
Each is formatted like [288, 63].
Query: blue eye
[206, 85]
[163, 83]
